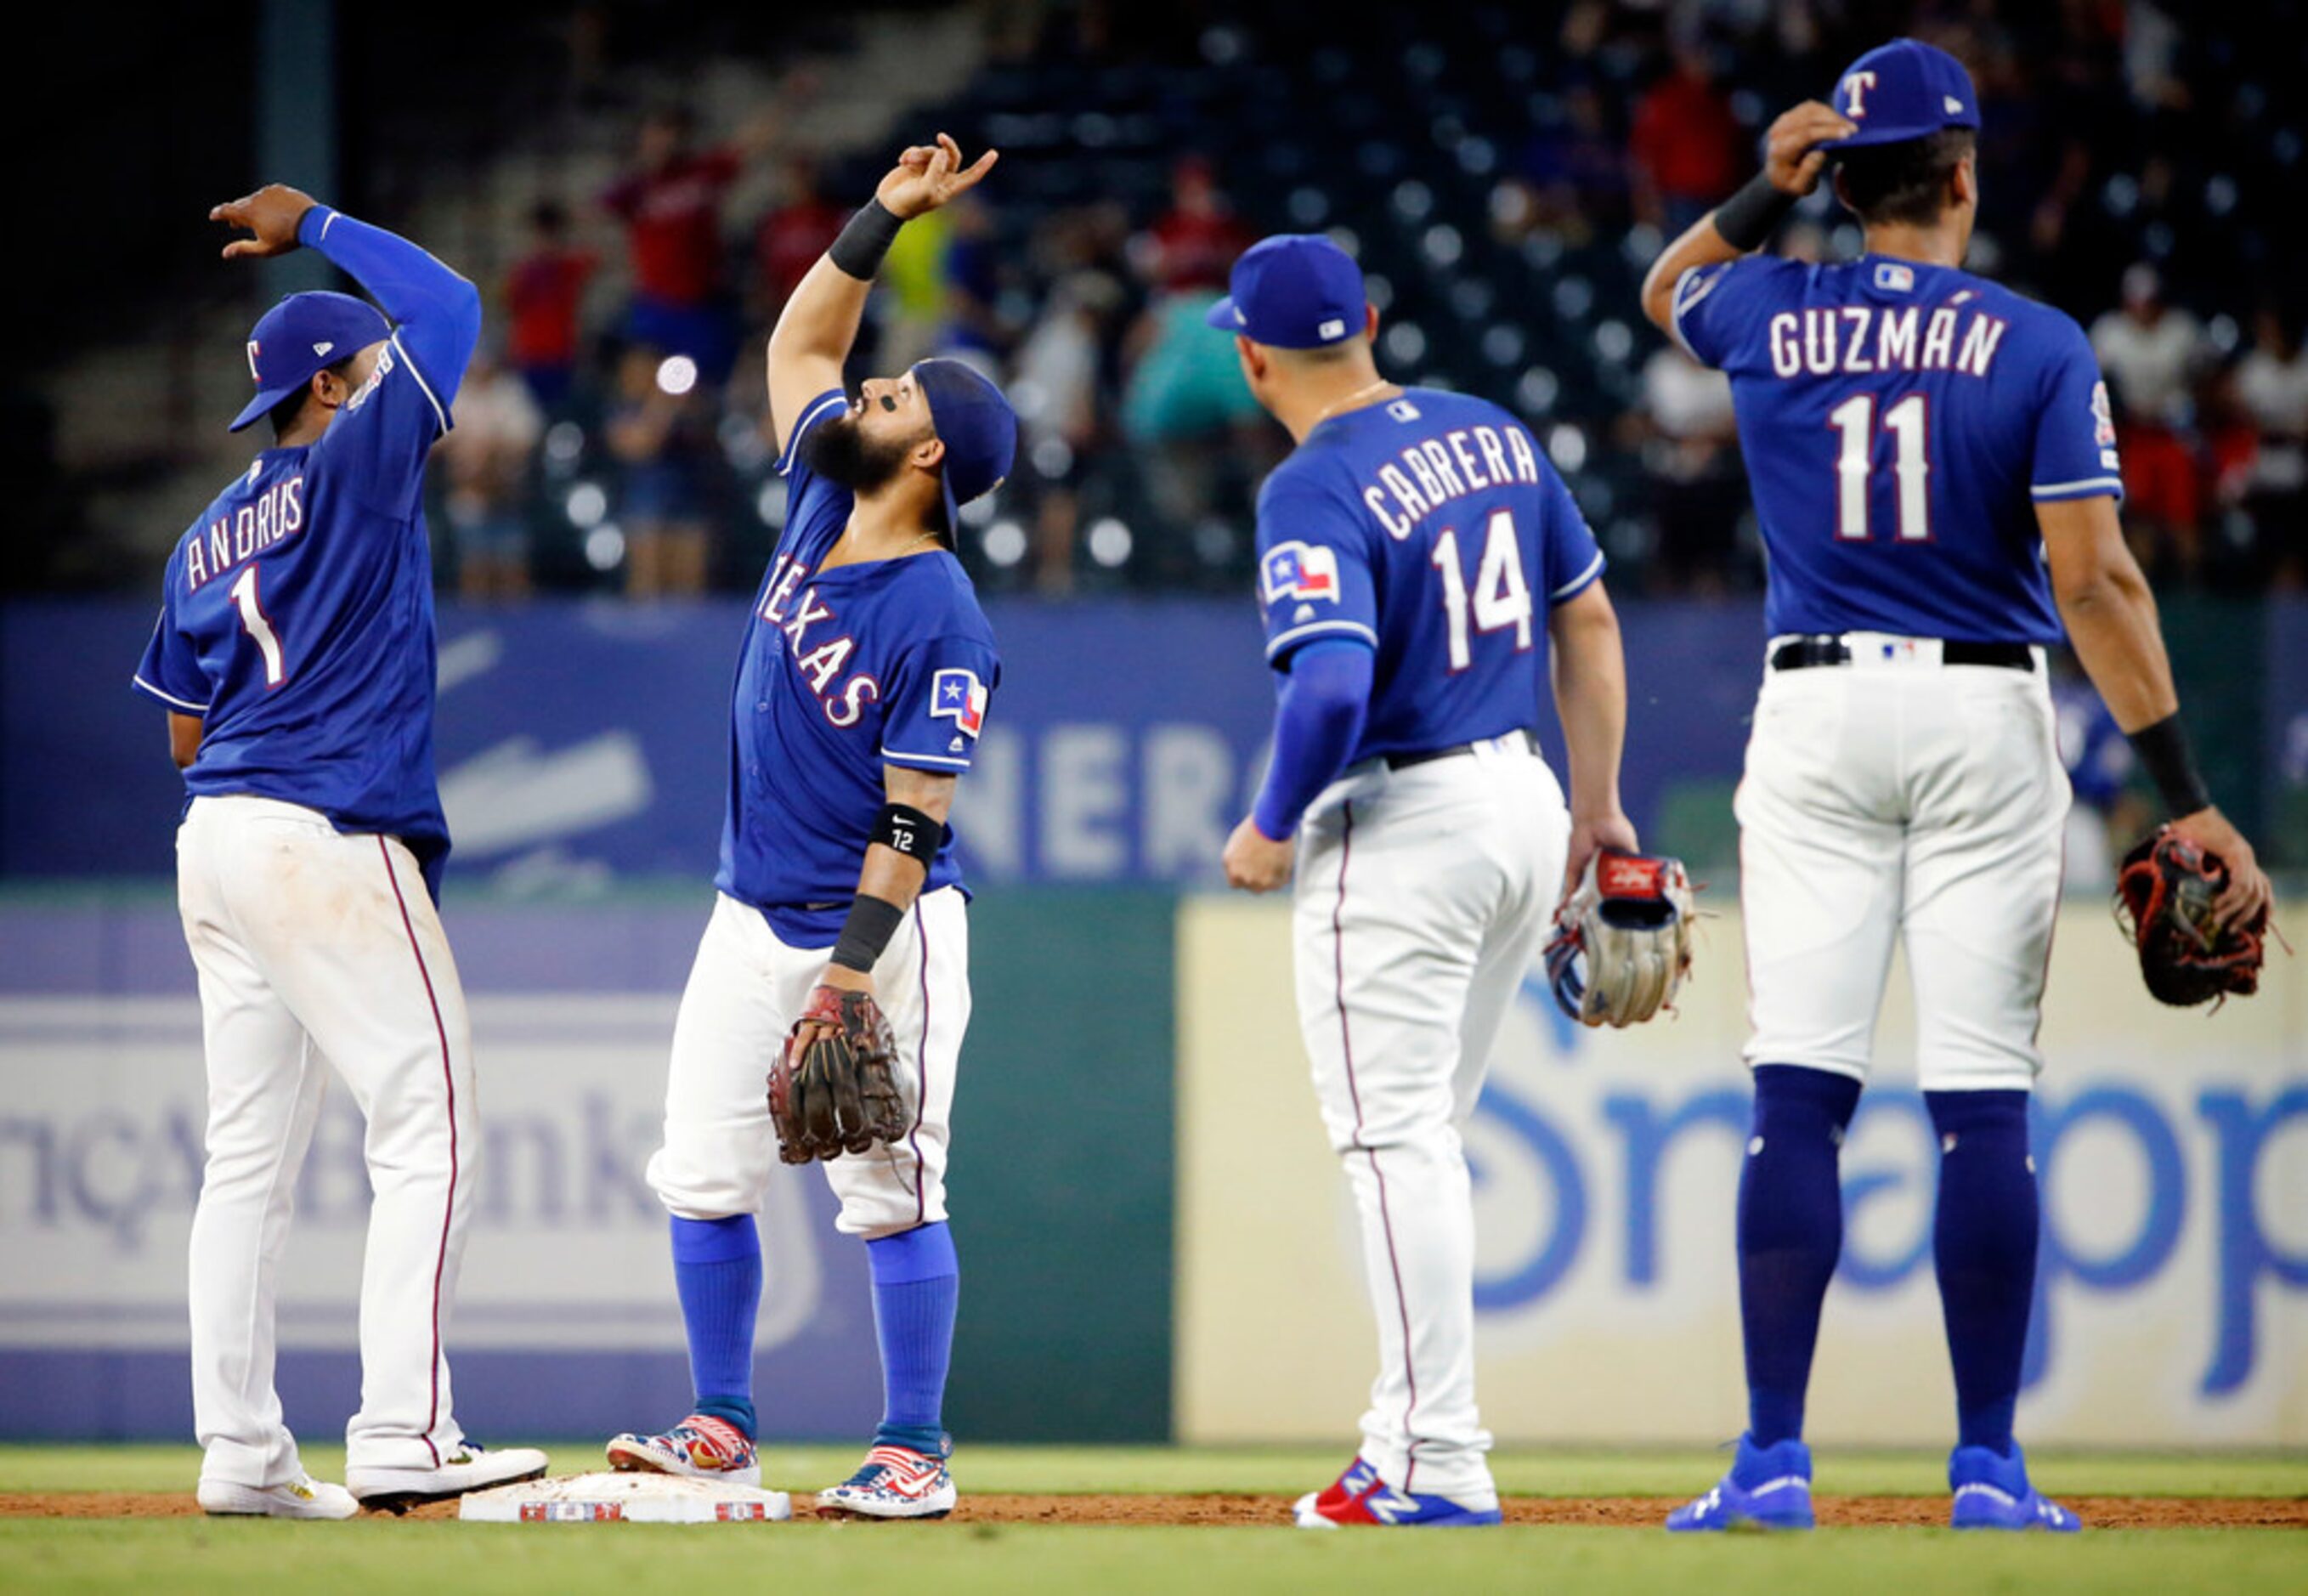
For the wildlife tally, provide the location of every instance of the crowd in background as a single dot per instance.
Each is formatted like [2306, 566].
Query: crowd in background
[617, 439]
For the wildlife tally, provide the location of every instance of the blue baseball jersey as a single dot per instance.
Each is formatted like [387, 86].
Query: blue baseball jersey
[1900, 421]
[843, 672]
[296, 619]
[1431, 528]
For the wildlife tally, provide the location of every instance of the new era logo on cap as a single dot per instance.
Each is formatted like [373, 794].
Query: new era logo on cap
[323, 347]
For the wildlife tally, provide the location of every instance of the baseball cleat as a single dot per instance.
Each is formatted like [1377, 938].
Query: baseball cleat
[1769, 1487]
[1359, 1497]
[895, 1482]
[472, 1467]
[700, 1447]
[302, 1497]
[1992, 1493]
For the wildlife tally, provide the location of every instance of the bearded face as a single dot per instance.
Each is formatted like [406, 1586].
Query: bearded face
[838, 450]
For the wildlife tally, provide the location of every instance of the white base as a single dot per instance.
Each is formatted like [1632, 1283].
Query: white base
[630, 1499]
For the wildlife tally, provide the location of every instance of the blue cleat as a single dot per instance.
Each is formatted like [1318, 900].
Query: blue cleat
[1769, 1487]
[1992, 1493]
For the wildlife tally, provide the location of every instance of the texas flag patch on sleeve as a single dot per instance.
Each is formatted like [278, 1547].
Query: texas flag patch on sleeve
[1300, 571]
[958, 696]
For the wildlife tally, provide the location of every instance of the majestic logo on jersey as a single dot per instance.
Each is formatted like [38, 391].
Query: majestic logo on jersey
[1301, 570]
[958, 696]
[1855, 87]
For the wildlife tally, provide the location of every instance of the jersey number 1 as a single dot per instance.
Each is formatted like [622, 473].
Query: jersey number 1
[1500, 597]
[1908, 421]
[255, 622]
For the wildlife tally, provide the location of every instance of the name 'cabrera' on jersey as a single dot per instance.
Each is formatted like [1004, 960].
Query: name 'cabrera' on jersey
[1900, 422]
[844, 671]
[1431, 528]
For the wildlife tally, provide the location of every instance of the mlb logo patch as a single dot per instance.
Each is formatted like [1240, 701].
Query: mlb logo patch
[1895, 278]
[959, 696]
[1300, 571]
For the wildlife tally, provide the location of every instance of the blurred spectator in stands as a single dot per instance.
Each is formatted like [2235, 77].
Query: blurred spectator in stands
[1690, 448]
[1184, 387]
[1573, 172]
[2271, 384]
[670, 202]
[486, 459]
[1192, 245]
[663, 442]
[543, 294]
[909, 296]
[2152, 353]
[1055, 384]
[975, 327]
[801, 228]
[1688, 150]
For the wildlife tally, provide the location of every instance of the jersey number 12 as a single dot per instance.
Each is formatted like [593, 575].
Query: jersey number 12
[1501, 596]
[259, 627]
[1906, 421]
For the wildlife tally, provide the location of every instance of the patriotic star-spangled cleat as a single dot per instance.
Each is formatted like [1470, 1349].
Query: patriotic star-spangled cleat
[895, 1482]
[1359, 1497]
[700, 1447]
[1769, 1487]
[1992, 1493]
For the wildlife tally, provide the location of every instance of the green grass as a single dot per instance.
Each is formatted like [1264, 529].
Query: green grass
[197, 1555]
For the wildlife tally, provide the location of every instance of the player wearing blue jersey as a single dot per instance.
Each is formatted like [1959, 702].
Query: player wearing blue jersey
[294, 654]
[1935, 472]
[1417, 555]
[862, 689]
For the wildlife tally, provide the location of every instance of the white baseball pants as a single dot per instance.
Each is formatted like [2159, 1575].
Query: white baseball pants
[1421, 898]
[745, 992]
[1897, 796]
[314, 946]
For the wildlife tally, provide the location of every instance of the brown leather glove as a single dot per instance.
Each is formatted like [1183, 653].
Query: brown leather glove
[2164, 898]
[833, 1089]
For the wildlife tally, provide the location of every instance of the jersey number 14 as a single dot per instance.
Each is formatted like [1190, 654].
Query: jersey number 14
[1908, 420]
[1501, 596]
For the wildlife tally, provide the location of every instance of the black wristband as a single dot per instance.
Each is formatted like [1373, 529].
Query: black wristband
[911, 832]
[1748, 219]
[2163, 750]
[872, 922]
[865, 239]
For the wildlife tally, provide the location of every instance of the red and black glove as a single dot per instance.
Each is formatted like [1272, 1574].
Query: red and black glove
[2164, 898]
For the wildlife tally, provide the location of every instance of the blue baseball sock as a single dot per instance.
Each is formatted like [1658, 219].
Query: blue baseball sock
[1790, 1229]
[716, 1268]
[916, 1286]
[1984, 1238]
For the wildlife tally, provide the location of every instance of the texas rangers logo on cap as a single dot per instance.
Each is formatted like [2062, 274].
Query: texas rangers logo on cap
[959, 696]
[1300, 571]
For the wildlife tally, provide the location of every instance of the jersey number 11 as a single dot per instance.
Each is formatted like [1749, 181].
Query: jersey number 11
[1908, 421]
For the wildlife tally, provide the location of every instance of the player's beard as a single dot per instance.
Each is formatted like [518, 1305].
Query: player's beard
[837, 450]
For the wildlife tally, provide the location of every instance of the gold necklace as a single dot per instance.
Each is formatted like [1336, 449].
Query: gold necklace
[1362, 392]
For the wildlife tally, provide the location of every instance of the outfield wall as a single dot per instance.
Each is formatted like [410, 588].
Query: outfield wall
[1154, 1237]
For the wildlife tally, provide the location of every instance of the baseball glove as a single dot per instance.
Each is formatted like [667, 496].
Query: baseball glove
[2164, 898]
[837, 1093]
[1622, 942]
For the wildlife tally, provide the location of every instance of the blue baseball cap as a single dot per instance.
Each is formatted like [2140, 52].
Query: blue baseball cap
[977, 428]
[1294, 291]
[299, 336]
[1904, 90]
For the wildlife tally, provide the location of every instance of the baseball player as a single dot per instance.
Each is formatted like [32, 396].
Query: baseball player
[861, 693]
[1935, 472]
[294, 655]
[1416, 557]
